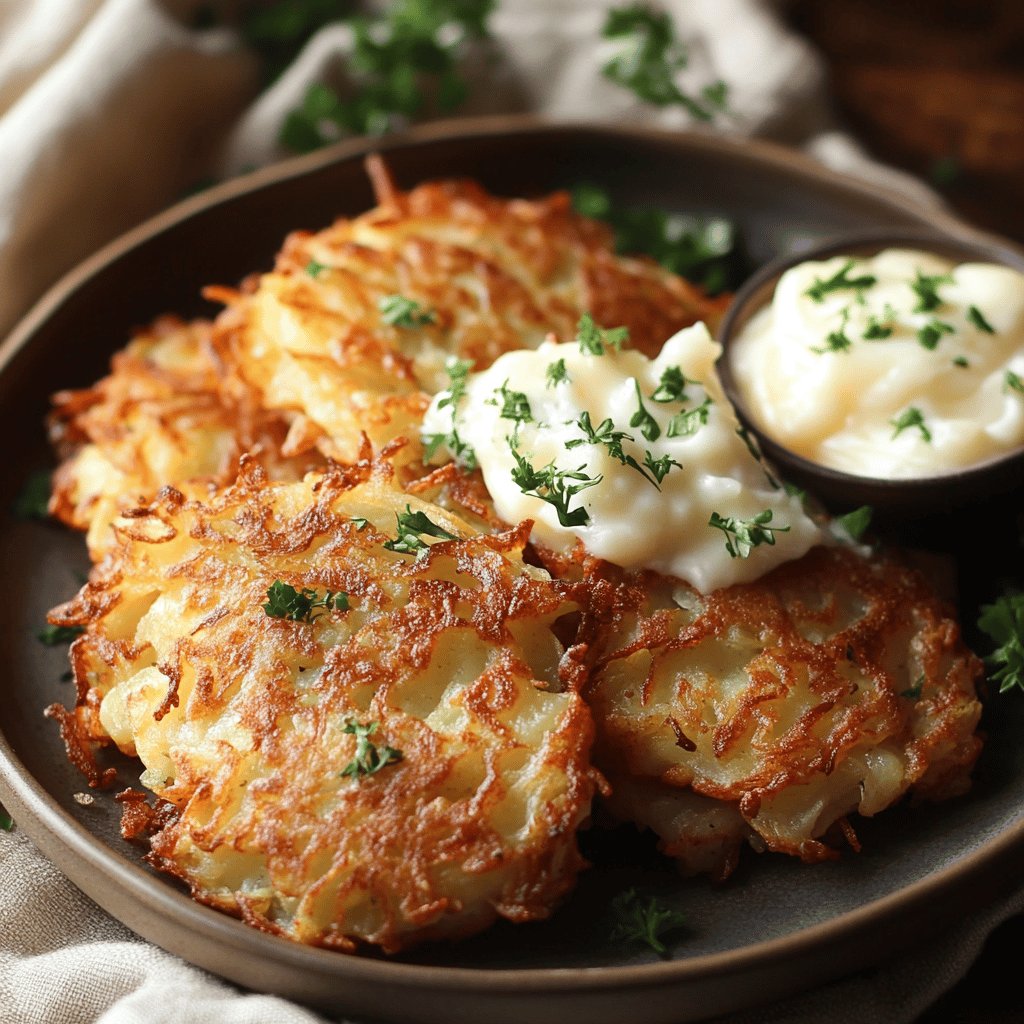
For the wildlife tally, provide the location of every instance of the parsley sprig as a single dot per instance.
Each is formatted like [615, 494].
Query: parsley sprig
[743, 535]
[557, 487]
[404, 64]
[54, 636]
[556, 374]
[926, 288]
[463, 453]
[976, 317]
[412, 528]
[401, 311]
[649, 57]
[908, 419]
[931, 333]
[837, 340]
[642, 419]
[1003, 623]
[369, 758]
[643, 920]
[689, 421]
[672, 386]
[840, 281]
[286, 602]
[605, 435]
[594, 340]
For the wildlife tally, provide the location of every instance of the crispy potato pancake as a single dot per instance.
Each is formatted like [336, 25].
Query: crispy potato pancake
[247, 723]
[834, 684]
[166, 414]
[488, 276]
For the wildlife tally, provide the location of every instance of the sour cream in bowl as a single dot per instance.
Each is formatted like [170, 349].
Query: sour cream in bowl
[885, 371]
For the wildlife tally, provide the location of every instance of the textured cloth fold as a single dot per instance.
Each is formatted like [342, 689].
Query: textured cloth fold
[109, 109]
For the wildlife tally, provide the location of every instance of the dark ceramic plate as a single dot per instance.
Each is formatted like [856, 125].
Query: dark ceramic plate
[777, 926]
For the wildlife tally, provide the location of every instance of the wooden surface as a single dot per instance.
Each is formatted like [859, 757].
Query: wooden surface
[938, 89]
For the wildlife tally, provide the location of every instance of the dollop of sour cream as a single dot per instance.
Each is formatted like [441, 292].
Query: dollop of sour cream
[902, 365]
[637, 458]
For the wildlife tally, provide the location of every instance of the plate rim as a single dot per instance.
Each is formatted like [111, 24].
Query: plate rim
[52, 828]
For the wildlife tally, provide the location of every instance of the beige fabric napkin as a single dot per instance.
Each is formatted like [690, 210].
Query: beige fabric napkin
[108, 110]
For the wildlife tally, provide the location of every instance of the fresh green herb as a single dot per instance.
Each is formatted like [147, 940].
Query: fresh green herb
[369, 758]
[794, 492]
[315, 268]
[1003, 623]
[961, 361]
[911, 417]
[643, 419]
[931, 334]
[359, 522]
[743, 535]
[880, 327]
[605, 434]
[6, 821]
[1013, 382]
[412, 527]
[914, 692]
[555, 486]
[54, 636]
[837, 340]
[462, 453]
[926, 288]
[556, 373]
[672, 386]
[649, 58]
[514, 404]
[593, 340]
[458, 374]
[840, 281]
[689, 421]
[404, 65]
[305, 605]
[403, 312]
[660, 467]
[856, 523]
[977, 318]
[645, 920]
[33, 500]
[278, 31]
[703, 250]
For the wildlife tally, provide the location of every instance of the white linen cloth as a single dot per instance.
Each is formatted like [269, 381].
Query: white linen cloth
[108, 110]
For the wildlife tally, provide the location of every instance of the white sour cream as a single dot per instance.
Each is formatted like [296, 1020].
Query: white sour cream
[936, 394]
[629, 520]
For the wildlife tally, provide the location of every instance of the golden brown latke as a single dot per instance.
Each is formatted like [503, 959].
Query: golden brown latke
[166, 414]
[834, 684]
[240, 718]
[490, 275]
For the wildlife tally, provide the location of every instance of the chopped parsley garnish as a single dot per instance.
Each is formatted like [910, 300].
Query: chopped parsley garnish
[54, 636]
[369, 758]
[840, 281]
[926, 288]
[880, 327]
[556, 373]
[315, 268]
[977, 318]
[837, 340]
[961, 361]
[405, 65]
[643, 419]
[660, 468]
[649, 58]
[743, 535]
[646, 920]
[458, 373]
[6, 821]
[605, 434]
[931, 334]
[555, 486]
[856, 523]
[689, 421]
[514, 404]
[305, 605]
[1013, 382]
[672, 386]
[593, 340]
[400, 311]
[1003, 622]
[703, 250]
[462, 453]
[912, 417]
[359, 522]
[278, 31]
[33, 500]
[412, 527]
[914, 692]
